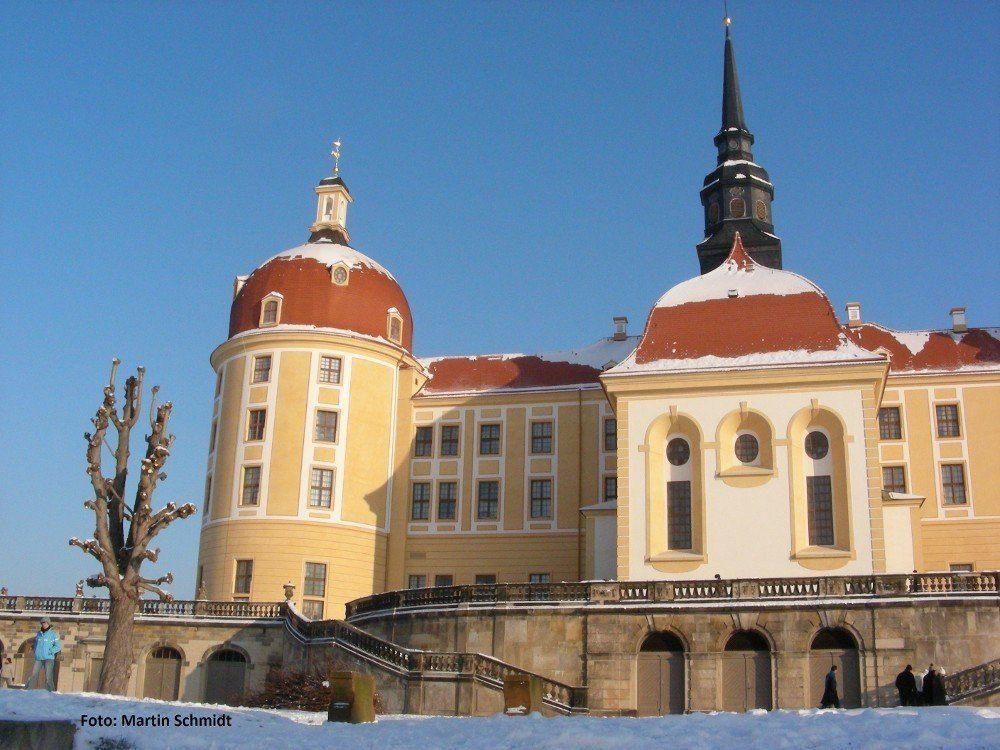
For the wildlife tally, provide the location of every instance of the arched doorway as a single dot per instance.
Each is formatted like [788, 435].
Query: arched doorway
[24, 662]
[835, 646]
[660, 675]
[163, 674]
[746, 672]
[225, 677]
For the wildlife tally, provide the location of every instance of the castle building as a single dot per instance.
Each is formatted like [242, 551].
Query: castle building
[746, 433]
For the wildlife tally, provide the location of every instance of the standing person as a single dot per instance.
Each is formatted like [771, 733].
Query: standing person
[906, 686]
[938, 694]
[927, 689]
[830, 698]
[6, 665]
[919, 679]
[47, 647]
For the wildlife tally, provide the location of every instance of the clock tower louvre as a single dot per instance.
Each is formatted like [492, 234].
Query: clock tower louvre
[738, 193]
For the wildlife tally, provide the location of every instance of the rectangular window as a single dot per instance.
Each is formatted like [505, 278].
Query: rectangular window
[447, 495]
[200, 581]
[541, 498]
[251, 486]
[329, 370]
[611, 434]
[610, 489]
[539, 578]
[218, 384]
[261, 369]
[485, 579]
[541, 437]
[947, 420]
[244, 577]
[208, 495]
[889, 425]
[819, 496]
[256, 423]
[423, 442]
[420, 507]
[953, 484]
[214, 434]
[449, 440]
[961, 568]
[321, 488]
[416, 582]
[315, 581]
[443, 579]
[326, 426]
[893, 479]
[679, 515]
[312, 609]
[489, 440]
[488, 506]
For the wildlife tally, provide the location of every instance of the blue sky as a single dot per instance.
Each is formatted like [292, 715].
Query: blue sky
[526, 170]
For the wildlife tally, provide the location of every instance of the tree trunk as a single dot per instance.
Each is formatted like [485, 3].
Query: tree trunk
[118, 651]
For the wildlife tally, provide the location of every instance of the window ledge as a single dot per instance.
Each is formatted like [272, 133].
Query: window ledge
[677, 556]
[745, 471]
[814, 552]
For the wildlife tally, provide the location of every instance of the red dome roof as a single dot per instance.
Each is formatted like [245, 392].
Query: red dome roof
[309, 296]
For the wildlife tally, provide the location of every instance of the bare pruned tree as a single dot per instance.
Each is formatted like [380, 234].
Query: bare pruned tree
[124, 532]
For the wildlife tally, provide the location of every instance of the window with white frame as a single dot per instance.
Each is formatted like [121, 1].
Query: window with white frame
[953, 484]
[449, 440]
[256, 424]
[947, 421]
[894, 479]
[270, 311]
[314, 583]
[261, 369]
[250, 494]
[420, 504]
[443, 579]
[610, 489]
[244, 577]
[541, 498]
[890, 424]
[447, 497]
[489, 440]
[541, 437]
[610, 434]
[488, 505]
[416, 581]
[423, 442]
[326, 426]
[485, 579]
[539, 578]
[321, 488]
[329, 370]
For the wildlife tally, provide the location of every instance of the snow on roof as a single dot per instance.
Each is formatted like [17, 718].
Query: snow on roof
[930, 351]
[330, 253]
[741, 273]
[552, 370]
[742, 315]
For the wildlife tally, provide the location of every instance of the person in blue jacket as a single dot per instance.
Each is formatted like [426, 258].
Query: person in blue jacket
[47, 647]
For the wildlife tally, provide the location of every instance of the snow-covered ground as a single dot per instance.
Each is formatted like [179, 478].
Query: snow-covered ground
[254, 729]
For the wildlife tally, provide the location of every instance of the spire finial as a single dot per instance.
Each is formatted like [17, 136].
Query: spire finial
[726, 20]
[335, 153]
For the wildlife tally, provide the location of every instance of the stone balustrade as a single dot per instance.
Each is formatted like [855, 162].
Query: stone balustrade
[147, 607]
[712, 590]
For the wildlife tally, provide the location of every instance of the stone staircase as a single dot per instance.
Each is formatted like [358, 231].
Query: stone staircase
[414, 664]
[974, 683]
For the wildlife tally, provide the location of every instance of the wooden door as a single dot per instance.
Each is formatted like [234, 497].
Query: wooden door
[746, 680]
[848, 676]
[93, 681]
[224, 678]
[660, 683]
[163, 675]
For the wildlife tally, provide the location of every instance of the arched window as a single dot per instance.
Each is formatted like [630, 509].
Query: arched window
[679, 531]
[661, 641]
[819, 489]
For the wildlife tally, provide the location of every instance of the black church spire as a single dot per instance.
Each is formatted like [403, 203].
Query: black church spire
[737, 194]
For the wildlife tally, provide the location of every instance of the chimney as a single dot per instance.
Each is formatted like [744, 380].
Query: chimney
[853, 314]
[621, 328]
[958, 320]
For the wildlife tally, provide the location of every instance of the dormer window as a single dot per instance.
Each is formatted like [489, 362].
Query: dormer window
[395, 326]
[270, 309]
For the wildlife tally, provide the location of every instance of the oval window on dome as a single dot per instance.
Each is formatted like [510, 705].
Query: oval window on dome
[737, 208]
[340, 275]
[747, 448]
[678, 451]
[817, 445]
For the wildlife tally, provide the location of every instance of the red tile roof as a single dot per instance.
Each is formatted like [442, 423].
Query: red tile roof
[932, 351]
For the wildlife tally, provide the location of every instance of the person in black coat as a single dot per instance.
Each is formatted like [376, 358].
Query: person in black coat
[939, 695]
[830, 698]
[927, 691]
[906, 685]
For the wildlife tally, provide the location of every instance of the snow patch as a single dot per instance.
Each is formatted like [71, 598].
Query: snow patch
[915, 341]
[330, 253]
[748, 280]
[596, 355]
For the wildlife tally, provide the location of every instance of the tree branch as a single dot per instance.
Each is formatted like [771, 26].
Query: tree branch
[165, 596]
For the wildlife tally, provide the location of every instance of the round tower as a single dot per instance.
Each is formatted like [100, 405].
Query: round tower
[304, 424]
